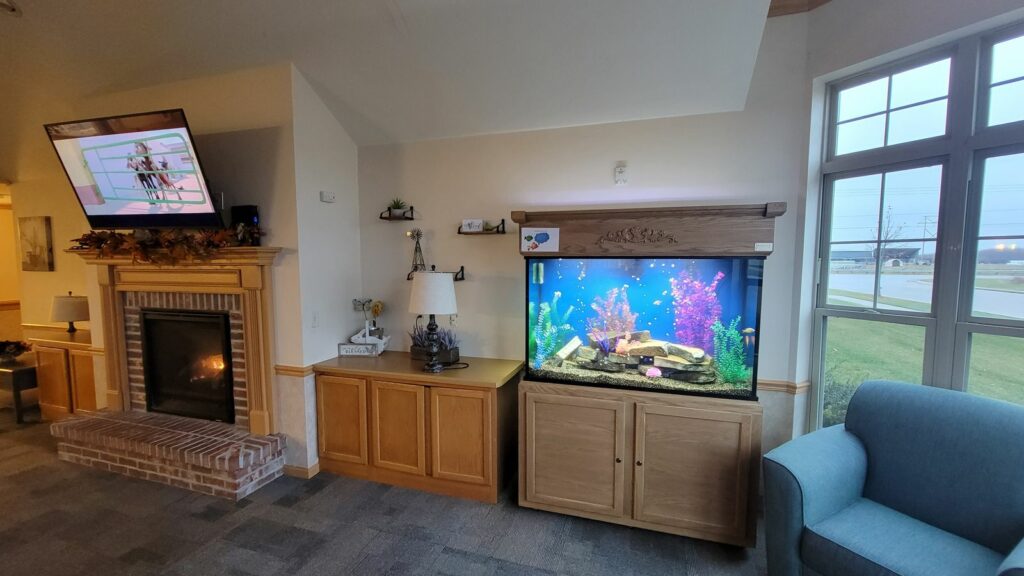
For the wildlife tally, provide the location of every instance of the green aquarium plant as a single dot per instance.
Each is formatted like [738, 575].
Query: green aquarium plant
[730, 355]
[548, 330]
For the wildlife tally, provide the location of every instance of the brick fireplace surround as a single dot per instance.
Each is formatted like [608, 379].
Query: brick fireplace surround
[210, 457]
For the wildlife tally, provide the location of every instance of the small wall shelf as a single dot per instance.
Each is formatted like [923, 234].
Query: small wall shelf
[457, 276]
[498, 229]
[403, 215]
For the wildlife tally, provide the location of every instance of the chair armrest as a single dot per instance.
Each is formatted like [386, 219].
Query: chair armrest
[805, 481]
[1014, 563]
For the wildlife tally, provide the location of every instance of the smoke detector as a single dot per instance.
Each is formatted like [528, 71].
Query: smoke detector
[10, 8]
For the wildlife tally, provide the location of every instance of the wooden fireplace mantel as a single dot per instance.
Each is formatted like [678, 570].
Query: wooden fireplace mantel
[676, 231]
[244, 271]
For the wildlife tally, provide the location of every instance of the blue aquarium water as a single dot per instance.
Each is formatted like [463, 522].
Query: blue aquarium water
[667, 324]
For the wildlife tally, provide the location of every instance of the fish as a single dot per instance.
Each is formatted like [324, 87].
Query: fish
[656, 302]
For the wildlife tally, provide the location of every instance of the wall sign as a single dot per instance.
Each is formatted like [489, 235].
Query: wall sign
[538, 239]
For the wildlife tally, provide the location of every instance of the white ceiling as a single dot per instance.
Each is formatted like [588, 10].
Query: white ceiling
[403, 70]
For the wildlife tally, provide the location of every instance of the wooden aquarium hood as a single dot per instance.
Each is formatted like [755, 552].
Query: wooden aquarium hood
[679, 231]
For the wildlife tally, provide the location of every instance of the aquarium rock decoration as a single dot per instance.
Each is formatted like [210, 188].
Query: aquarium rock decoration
[730, 352]
[549, 330]
[696, 309]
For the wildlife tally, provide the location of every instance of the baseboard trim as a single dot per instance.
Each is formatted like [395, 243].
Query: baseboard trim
[301, 472]
[782, 386]
[296, 371]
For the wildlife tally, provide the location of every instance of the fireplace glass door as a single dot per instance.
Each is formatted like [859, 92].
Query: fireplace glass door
[187, 364]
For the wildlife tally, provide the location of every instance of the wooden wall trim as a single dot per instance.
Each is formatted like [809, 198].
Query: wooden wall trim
[786, 7]
[296, 371]
[302, 472]
[782, 386]
[9, 305]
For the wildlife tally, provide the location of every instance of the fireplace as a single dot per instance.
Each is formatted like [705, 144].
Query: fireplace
[187, 362]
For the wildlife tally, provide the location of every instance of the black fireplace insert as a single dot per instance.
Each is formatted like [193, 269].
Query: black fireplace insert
[186, 358]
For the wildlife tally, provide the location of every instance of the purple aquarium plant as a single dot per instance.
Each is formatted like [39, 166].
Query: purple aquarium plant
[696, 309]
[614, 319]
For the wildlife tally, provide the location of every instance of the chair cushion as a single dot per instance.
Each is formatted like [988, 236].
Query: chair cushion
[868, 539]
[947, 458]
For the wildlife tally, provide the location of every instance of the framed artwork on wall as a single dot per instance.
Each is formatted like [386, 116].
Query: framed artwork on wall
[36, 244]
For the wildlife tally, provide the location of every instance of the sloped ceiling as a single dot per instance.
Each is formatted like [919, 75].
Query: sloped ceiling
[403, 70]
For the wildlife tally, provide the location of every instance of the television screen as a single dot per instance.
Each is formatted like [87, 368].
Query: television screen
[135, 171]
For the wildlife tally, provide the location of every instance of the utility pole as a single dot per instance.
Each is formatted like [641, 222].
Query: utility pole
[925, 223]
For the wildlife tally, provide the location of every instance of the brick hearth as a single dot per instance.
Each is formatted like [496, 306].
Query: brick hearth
[208, 457]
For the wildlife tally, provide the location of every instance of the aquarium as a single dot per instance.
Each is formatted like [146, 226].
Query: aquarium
[685, 325]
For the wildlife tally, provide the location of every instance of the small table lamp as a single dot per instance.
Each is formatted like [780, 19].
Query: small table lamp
[432, 293]
[69, 309]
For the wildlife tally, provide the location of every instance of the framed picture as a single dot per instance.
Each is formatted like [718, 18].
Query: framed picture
[36, 244]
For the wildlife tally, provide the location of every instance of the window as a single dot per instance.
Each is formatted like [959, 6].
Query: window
[921, 251]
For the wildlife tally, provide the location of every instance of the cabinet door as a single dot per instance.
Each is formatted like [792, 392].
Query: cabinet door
[341, 419]
[574, 451]
[83, 380]
[54, 382]
[462, 435]
[692, 468]
[399, 427]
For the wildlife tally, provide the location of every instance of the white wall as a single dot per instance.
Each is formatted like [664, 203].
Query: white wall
[326, 159]
[742, 157]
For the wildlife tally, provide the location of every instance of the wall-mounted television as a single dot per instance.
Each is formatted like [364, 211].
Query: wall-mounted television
[135, 171]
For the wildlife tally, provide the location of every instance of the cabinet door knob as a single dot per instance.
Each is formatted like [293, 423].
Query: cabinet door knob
[618, 460]
[639, 463]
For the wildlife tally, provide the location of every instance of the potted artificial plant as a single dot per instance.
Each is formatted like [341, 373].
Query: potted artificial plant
[446, 339]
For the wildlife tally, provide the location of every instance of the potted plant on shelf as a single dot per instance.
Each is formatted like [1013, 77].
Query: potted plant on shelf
[398, 210]
[11, 349]
[446, 339]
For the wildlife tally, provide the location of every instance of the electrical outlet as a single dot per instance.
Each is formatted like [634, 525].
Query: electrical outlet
[326, 196]
[620, 174]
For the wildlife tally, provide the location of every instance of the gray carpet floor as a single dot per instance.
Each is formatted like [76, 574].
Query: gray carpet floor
[59, 518]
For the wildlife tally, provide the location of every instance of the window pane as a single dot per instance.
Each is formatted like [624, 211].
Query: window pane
[859, 350]
[999, 280]
[855, 203]
[1002, 196]
[905, 283]
[917, 122]
[1006, 103]
[1008, 60]
[994, 368]
[863, 100]
[860, 135]
[923, 83]
[912, 203]
[851, 275]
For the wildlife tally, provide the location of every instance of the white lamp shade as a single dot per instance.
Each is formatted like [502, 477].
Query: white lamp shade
[432, 293]
[69, 309]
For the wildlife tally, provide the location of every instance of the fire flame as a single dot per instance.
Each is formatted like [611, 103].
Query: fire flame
[207, 368]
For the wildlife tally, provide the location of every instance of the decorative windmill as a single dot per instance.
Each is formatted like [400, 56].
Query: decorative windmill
[418, 263]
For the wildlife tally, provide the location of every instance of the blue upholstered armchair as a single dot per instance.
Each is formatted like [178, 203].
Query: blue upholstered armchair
[919, 481]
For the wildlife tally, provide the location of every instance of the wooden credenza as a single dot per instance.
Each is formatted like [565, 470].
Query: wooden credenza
[679, 464]
[386, 420]
[64, 371]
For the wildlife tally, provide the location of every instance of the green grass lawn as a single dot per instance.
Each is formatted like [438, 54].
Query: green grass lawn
[908, 304]
[858, 350]
[1008, 284]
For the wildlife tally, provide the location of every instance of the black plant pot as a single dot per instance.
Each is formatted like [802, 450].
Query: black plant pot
[446, 357]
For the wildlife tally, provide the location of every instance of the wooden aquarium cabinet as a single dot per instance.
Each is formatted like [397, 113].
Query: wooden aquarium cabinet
[386, 420]
[684, 465]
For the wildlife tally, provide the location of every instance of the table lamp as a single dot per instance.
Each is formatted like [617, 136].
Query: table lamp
[69, 309]
[432, 293]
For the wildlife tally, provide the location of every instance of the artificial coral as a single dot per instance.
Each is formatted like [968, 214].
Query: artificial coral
[614, 319]
[730, 355]
[697, 309]
[549, 330]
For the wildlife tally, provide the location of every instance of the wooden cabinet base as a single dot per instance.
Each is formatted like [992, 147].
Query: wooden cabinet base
[677, 464]
[384, 420]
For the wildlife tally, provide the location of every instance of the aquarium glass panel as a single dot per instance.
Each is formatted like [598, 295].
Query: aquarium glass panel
[664, 324]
